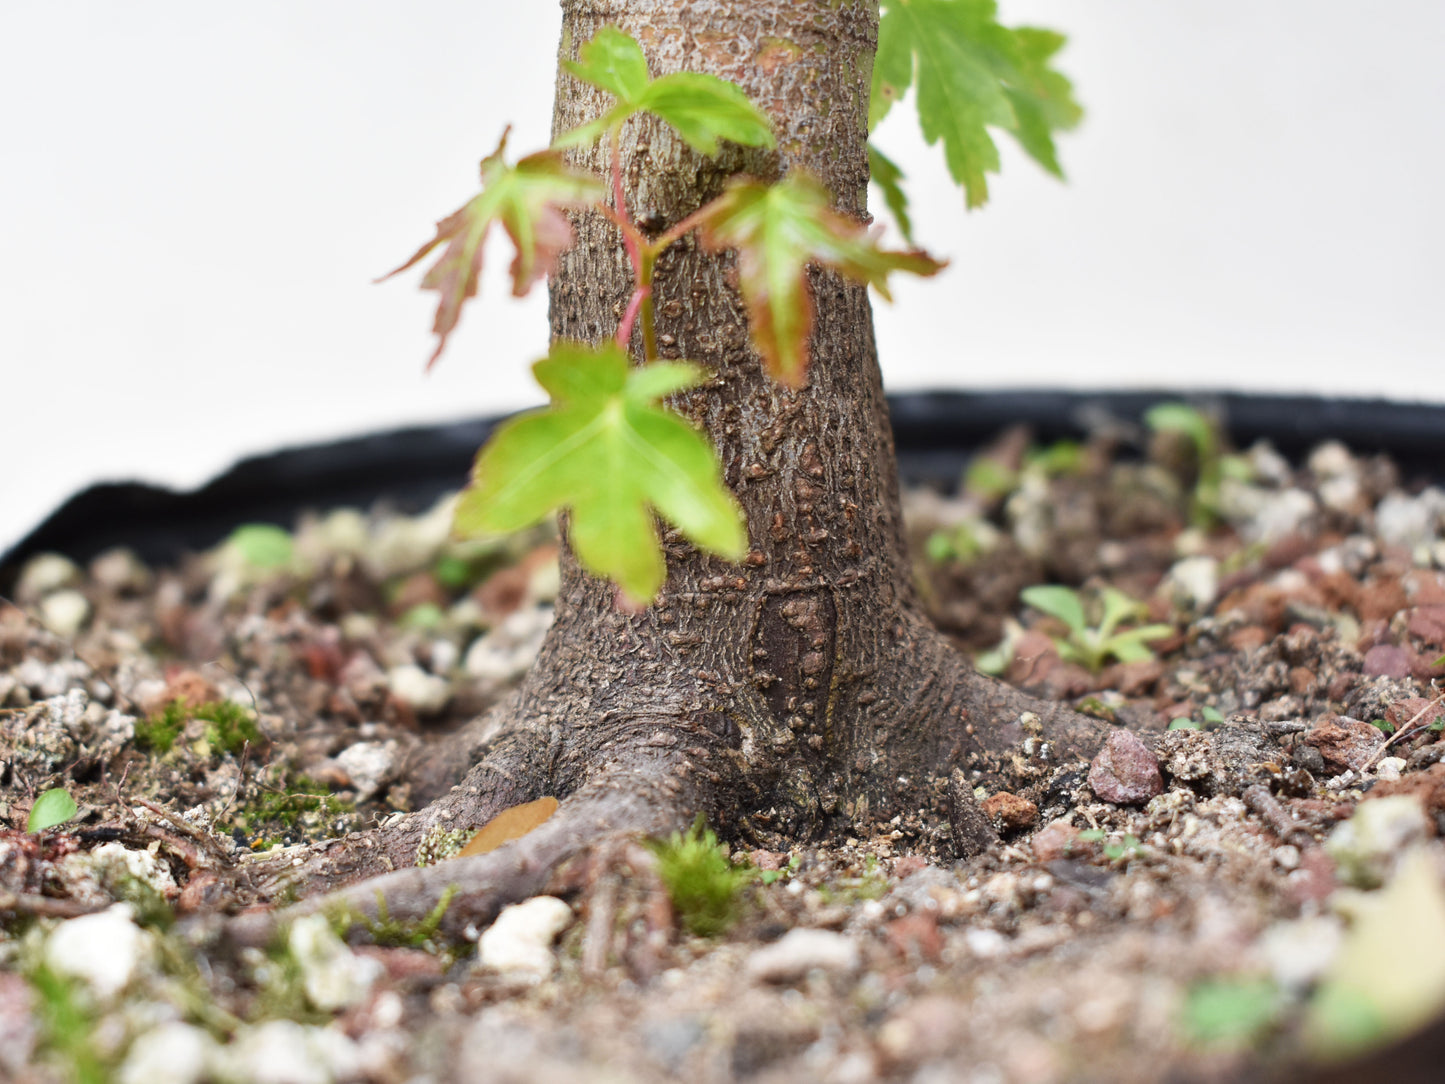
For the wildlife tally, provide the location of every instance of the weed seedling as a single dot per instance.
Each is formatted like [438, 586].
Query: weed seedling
[1230, 1011]
[1213, 466]
[1094, 646]
[55, 806]
[1210, 716]
[701, 879]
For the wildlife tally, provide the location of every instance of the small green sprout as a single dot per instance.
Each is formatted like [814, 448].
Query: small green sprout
[55, 806]
[262, 545]
[1213, 465]
[701, 879]
[1383, 726]
[1092, 647]
[989, 480]
[963, 543]
[1115, 851]
[1124, 849]
[1211, 716]
[772, 876]
[1230, 1011]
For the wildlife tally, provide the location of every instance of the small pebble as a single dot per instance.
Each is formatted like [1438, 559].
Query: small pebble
[520, 940]
[1125, 771]
[104, 950]
[802, 950]
[333, 976]
[426, 693]
[173, 1053]
[64, 612]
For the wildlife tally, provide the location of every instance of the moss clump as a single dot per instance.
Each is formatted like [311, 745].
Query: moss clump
[290, 809]
[157, 733]
[68, 1022]
[703, 882]
[229, 726]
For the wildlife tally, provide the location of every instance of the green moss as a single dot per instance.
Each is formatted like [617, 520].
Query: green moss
[287, 809]
[701, 879]
[158, 733]
[68, 1028]
[229, 726]
[394, 933]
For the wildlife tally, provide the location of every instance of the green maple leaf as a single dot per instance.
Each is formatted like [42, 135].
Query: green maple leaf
[528, 200]
[884, 172]
[607, 451]
[702, 108]
[778, 230]
[972, 74]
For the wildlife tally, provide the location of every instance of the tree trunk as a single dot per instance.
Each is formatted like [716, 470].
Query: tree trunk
[803, 691]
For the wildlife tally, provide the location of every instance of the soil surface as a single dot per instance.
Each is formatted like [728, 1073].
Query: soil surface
[1246, 881]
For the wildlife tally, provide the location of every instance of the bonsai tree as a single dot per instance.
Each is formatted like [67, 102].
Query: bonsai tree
[736, 633]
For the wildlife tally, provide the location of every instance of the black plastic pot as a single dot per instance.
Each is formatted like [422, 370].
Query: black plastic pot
[936, 432]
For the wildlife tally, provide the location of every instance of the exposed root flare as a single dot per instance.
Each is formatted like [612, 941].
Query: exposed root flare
[644, 796]
[654, 777]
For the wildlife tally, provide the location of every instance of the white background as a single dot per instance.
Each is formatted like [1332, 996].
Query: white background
[194, 197]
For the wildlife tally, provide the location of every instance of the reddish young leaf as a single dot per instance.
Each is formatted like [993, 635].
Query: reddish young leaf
[527, 199]
[777, 231]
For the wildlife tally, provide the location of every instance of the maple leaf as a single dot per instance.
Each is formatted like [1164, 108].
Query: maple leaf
[884, 172]
[777, 230]
[607, 451]
[527, 199]
[972, 74]
[703, 109]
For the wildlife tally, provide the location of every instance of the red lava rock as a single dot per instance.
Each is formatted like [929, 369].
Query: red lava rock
[1346, 744]
[1010, 811]
[915, 937]
[202, 892]
[1287, 550]
[1259, 603]
[1428, 786]
[1301, 680]
[503, 592]
[1340, 686]
[1373, 634]
[1425, 668]
[1380, 599]
[1125, 771]
[1415, 711]
[1389, 661]
[1248, 638]
[1314, 879]
[187, 686]
[767, 859]
[1135, 678]
[1036, 665]
[1428, 624]
[908, 865]
[416, 590]
[1057, 839]
[1425, 588]
[402, 963]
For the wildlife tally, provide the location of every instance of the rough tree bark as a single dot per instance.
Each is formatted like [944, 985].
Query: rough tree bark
[793, 696]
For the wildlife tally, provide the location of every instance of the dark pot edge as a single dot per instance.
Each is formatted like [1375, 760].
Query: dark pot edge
[934, 431]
